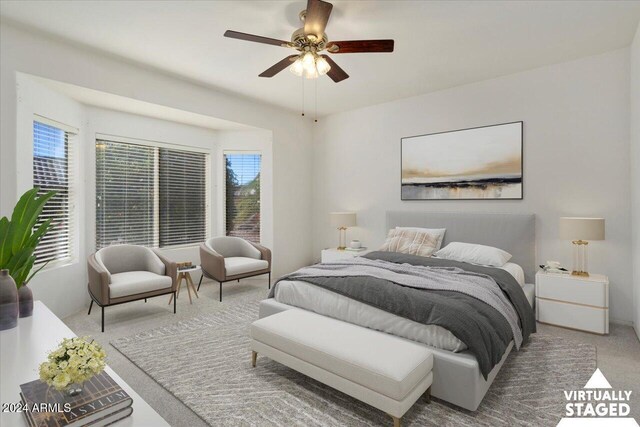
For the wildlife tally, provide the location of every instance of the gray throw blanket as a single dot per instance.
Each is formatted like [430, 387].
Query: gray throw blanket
[476, 285]
[483, 328]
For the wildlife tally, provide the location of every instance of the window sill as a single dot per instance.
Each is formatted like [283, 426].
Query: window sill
[56, 265]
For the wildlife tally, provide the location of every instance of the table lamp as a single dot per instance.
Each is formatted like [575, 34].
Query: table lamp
[342, 220]
[579, 231]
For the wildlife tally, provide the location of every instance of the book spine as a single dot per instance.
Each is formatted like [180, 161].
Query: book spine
[27, 414]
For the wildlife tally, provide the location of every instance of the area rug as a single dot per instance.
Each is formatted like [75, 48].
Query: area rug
[205, 363]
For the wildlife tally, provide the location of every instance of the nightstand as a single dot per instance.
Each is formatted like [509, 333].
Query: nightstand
[333, 254]
[574, 302]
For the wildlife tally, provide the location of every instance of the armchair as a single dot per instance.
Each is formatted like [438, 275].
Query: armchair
[125, 273]
[224, 259]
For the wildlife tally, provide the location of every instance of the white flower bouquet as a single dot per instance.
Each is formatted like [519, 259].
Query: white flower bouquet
[74, 362]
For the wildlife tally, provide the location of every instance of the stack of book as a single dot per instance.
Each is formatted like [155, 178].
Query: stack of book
[184, 265]
[102, 402]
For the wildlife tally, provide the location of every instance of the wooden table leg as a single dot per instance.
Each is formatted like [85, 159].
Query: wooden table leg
[396, 421]
[188, 288]
[254, 358]
[193, 287]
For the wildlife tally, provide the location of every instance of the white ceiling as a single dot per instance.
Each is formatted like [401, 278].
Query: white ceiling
[437, 44]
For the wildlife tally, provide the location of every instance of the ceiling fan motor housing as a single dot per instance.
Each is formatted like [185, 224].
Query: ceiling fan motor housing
[301, 41]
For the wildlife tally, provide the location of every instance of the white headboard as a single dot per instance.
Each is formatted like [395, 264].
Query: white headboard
[514, 233]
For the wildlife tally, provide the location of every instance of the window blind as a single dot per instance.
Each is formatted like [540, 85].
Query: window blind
[51, 159]
[242, 195]
[150, 195]
[183, 197]
[125, 194]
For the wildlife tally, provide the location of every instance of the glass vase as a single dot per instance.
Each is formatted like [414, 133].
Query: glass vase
[74, 389]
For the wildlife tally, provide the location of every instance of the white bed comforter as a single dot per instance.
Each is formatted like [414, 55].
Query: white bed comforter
[313, 298]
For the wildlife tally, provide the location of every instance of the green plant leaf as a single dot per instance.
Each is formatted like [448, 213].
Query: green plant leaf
[21, 275]
[34, 240]
[18, 260]
[25, 215]
[5, 247]
[34, 273]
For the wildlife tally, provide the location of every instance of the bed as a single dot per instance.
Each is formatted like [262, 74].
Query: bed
[457, 374]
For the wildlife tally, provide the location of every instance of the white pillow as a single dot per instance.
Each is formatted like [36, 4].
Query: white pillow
[439, 232]
[474, 254]
[516, 271]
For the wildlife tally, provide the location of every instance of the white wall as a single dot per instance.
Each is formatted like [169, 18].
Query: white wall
[576, 145]
[635, 173]
[32, 53]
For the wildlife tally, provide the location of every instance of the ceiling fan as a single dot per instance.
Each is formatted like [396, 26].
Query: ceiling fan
[309, 41]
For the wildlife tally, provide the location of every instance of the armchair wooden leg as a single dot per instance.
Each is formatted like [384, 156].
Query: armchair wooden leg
[220, 291]
[200, 282]
[174, 302]
[238, 280]
[254, 358]
[269, 280]
[90, 307]
[102, 318]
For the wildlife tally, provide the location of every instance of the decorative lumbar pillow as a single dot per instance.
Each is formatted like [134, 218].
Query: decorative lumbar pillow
[411, 241]
[437, 231]
[474, 254]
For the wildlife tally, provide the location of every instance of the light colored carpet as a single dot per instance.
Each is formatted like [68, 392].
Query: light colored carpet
[205, 363]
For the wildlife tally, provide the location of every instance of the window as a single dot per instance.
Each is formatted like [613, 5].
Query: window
[183, 197]
[51, 159]
[125, 194]
[150, 195]
[242, 195]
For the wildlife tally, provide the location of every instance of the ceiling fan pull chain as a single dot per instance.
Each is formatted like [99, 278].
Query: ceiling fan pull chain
[315, 87]
[302, 97]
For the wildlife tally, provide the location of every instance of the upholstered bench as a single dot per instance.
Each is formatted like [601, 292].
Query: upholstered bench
[384, 371]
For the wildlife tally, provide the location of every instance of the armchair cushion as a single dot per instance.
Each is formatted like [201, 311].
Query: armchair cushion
[124, 258]
[228, 246]
[137, 282]
[241, 265]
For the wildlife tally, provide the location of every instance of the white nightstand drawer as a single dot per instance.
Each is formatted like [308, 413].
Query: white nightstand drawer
[573, 316]
[572, 289]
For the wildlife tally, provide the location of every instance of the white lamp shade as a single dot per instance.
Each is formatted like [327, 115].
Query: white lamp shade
[572, 228]
[343, 219]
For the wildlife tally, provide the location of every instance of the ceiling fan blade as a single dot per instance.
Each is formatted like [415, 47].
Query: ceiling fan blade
[276, 68]
[336, 73]
[316, 17]
[360, 46]
[253, 38]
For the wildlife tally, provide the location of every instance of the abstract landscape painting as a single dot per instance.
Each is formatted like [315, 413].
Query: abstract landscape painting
[478, 163]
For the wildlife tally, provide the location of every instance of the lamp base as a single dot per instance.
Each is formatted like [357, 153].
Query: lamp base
[342, 238]
[580, 273]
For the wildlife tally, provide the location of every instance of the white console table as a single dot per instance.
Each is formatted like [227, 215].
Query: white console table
[23, 348]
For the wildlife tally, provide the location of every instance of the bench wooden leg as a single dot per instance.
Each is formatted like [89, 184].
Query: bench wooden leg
[427, 395]
[254, 357]
[396, 421]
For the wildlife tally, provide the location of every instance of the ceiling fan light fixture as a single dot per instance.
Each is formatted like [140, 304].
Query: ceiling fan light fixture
[311, 73]
[309, 61]
[322, 66]
[297, 68]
